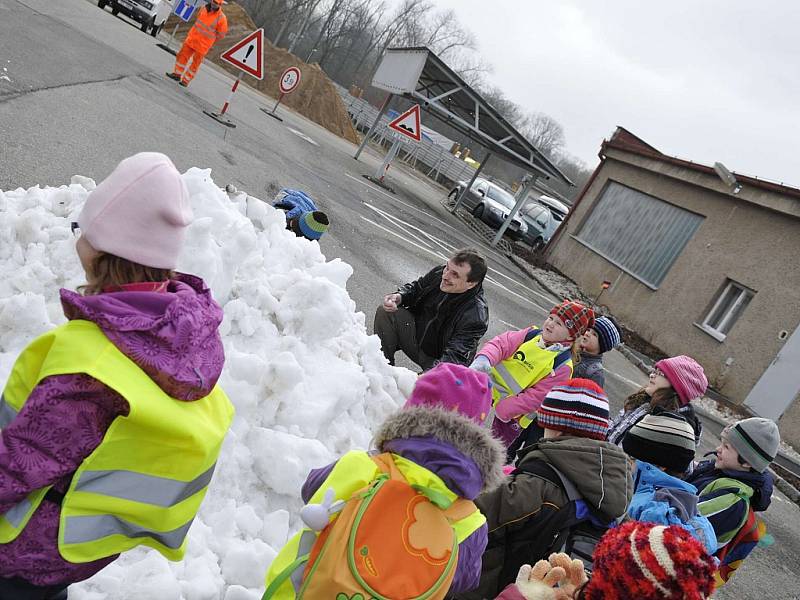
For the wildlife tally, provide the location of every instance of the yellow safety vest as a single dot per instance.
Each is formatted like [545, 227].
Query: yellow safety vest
[144, 483]
[353, 472]
[529, 365]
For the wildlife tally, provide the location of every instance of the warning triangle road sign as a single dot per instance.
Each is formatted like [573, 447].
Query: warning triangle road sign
[408, 124]
[248, 54]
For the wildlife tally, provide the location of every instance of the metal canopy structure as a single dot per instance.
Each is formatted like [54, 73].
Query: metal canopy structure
[420, 76]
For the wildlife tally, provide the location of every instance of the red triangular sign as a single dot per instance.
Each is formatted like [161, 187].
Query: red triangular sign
[408, 124]
[248, 55]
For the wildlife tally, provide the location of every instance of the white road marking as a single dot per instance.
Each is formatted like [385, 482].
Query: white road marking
[625, 379]
[302, 135]
[514, 327]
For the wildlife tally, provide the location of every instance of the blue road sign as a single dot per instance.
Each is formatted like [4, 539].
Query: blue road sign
[185, 9]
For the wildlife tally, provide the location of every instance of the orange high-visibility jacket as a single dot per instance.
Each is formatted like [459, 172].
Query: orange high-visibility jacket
[208, 28]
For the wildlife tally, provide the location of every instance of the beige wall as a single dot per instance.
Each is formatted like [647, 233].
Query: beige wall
[741, 240]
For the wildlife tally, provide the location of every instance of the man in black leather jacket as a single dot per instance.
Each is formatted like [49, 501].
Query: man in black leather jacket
[440, 317]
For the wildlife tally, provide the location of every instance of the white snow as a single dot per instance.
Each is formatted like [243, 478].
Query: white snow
[307, 382]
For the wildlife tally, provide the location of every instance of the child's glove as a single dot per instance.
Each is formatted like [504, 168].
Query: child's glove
[537, 582]
[481, 364]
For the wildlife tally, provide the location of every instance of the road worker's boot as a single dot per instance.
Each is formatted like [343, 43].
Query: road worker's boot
[174, 76]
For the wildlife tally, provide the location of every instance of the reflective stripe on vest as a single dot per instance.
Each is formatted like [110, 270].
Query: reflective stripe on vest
[208, 30]
[145, 481]
[529, 365]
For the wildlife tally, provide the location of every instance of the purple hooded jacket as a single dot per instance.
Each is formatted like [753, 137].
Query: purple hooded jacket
[462, 454]
[172, 336]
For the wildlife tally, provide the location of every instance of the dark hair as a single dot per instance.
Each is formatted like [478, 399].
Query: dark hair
[666, 398]
[110, 271]
[477, 265]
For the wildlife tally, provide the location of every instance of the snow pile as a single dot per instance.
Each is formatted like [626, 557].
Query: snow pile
[307, 381]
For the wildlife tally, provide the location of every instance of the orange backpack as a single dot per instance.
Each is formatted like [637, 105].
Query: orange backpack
[390, 541]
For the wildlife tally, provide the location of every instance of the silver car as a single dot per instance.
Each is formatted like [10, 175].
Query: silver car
[491, 204]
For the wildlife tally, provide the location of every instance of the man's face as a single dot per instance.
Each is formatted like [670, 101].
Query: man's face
[213, 6]
[454, 278]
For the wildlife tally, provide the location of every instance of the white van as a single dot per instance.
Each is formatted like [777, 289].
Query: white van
[152, 14]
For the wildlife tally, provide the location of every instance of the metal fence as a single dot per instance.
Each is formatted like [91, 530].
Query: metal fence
[428, 157]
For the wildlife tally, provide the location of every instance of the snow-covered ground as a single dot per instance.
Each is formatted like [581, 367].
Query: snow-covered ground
[307, 381]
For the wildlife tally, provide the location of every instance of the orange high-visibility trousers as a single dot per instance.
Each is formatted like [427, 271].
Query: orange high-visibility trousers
[187, 63]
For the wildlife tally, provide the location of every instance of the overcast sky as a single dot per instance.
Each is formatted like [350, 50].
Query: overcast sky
[705, 80]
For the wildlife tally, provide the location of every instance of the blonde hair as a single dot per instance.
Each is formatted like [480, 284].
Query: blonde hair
[110, 271]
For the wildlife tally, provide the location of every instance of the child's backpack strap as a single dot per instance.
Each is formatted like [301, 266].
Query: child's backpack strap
[563, 357]
[578, 531]
[532, 333]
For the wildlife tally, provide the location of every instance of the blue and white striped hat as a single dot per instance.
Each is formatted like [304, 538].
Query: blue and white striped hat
[607, 333]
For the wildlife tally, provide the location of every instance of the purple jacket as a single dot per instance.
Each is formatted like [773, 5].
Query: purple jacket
[465, 472]
[172, 336]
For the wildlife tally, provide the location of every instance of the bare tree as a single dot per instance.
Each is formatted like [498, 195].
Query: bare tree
[544, 132]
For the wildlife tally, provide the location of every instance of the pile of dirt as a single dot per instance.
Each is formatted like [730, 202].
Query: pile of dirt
[315, 98]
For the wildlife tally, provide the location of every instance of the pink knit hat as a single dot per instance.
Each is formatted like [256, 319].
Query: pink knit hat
[685, 376]
[454, 387]
[139, 212]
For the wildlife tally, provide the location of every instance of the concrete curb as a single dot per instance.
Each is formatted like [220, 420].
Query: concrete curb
[782, 484]
[540, 282]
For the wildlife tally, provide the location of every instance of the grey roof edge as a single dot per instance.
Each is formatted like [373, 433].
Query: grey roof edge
[547, 165]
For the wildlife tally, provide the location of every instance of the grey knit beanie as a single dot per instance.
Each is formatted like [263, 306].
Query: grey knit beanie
[756, 440]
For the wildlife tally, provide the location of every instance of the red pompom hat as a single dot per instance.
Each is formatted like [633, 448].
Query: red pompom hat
[650, 562]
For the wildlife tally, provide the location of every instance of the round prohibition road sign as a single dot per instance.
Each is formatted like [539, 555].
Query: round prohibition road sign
[289, 80]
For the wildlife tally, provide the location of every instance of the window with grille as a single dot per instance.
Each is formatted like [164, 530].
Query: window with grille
[726, 308]
[637, 232]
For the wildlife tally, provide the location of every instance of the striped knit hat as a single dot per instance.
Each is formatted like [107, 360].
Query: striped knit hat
[577, 317]
[579, 407]
[607, 333]
[663, 439]
[311, 225]
[685, 376]
[756, 440]
[650, 562]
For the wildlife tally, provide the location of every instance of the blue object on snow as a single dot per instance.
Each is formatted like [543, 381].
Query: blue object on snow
[295, 203]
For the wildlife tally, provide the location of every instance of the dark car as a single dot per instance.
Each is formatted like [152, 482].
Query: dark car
[541, 224]
[491, 204]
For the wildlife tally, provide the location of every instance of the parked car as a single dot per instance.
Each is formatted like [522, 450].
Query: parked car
[559, 209]
[541, 224]
[151, 14]
[491, 204]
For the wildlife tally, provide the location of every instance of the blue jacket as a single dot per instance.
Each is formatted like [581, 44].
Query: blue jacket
[295, 203]
[666, 500]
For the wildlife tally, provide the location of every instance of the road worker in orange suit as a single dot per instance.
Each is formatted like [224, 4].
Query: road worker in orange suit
[210, 26]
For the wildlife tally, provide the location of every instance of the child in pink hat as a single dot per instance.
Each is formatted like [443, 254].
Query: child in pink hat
[674, 383]
[454, 387]
[132, 373]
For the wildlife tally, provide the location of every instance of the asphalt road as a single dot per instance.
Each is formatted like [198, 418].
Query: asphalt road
[81, 89]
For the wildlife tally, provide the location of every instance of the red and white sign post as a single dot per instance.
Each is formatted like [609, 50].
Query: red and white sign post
[288, 83]
[248, 56]
[407, 124]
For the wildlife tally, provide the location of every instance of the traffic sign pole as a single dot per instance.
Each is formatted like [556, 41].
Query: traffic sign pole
[288, 82]
[220, 116]
[387, 160]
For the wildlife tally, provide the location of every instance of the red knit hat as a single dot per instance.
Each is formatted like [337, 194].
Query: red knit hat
[577, 317]
[647, 561]
[685, 376]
